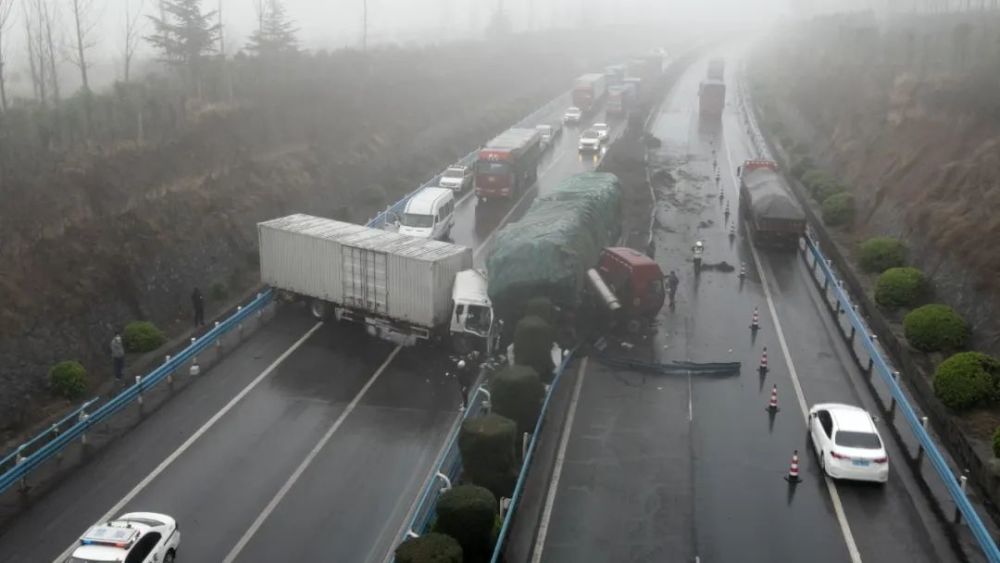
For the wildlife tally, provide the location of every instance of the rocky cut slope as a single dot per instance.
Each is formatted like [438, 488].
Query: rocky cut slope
[95, 237]
[908, 112]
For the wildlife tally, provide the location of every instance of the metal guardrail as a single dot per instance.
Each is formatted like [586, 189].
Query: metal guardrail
[25, 464]
[880, 365]
[533, 119]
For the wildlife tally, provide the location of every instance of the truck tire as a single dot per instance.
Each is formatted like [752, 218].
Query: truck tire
[320, 309]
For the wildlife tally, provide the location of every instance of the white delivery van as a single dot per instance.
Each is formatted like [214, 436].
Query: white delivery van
[430, 213]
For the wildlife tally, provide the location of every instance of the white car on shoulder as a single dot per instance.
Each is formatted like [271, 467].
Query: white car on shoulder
[136, 537]
[603, 129]
[573, 115]
[847, 443]
[456, 178]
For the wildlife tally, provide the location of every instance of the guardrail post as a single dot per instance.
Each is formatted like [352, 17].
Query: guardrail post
[18, 460]
[170, 374]
[411, 534]
[963, 482]
[239, 327]
[487, 404]
[920, 445]
[218, 341]
[83, 419]
[55, 434]
[260, 310]
[892, 404]
[138, 384]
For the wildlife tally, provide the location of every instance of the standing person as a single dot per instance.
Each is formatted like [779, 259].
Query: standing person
[118, 356]
[464, 377]
[672, 283]
[198, 302]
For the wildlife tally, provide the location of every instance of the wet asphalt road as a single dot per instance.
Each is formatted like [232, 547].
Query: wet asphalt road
[690, 468]
[319, 456]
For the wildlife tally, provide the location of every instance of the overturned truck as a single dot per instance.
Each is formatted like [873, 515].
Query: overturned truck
[548, 252]
[774, 216]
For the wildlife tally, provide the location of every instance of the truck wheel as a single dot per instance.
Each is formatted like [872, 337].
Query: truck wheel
[460, 344]
[320, 309]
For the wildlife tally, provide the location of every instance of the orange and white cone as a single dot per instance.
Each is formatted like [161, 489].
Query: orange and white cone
[755, 321]
[793, 469]
[763, 361]
[743, 270]
[772, 405]
[732, 230]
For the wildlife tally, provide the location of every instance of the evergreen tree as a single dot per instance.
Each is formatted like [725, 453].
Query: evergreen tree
[184, 35]
[276, 32]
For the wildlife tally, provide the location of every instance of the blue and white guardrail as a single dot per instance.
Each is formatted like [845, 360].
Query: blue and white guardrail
[885, 371]
[49, 443]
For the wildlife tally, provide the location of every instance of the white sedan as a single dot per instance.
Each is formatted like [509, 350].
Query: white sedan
[603, 130]
[573, 115]
[137, 537]
[847, 443]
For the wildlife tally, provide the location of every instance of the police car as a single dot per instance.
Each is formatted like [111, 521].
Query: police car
[136, 537]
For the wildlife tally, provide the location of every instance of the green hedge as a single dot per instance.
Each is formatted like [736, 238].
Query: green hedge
[967, 379]
[518, 393]
[487, 444]
[533, 338]
[542, 308]
[996, 443]
[68, 379]
[430, 548]
[142, 336]
[802, 166]
[935, 327]
[838, 209]
[819, 183]
[467, 513]
[878, 254]
[899, 287]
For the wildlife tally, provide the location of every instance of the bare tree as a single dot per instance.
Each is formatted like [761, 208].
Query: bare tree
[47, 15]
[83, 23]
[132, 33]
[6, 8]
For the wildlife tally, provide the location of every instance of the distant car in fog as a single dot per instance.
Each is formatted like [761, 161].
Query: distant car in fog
[603, 130]
[456, 178]
[590, 140]
[549, 131]
[573, 115]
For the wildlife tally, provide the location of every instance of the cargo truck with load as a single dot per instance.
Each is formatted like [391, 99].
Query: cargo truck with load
[508, 164]
[773, 214]
[564, 249]
[716, 69]
[614, 75]
[588, 90]
[621, 99]
[711, 98]
[399, 287]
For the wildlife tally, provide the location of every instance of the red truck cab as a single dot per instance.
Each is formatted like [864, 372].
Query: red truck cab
[636, 279]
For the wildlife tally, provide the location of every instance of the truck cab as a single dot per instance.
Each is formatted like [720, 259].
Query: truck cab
[473, 323]
[635, 279]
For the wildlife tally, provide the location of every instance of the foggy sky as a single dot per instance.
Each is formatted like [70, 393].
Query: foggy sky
[333, 24]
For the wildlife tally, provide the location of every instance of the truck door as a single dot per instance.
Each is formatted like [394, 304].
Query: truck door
[365, 284]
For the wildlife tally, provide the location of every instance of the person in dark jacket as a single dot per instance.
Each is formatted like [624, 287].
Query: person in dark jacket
[672, 283]
[466, 378]
[198, 302]
[118, 356]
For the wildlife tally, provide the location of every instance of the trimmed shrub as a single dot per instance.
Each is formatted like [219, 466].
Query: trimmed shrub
[542, 308]
[467, 513]
[518, 393]
[142, 336]
[429, 548]
[878, 254]
[838, 209]
[899, 287]
[935, 327]
[802, 166]
[967, 379]
[487, 444]
[815, 178]
[68, 379]
[996, 442]
[533, 338]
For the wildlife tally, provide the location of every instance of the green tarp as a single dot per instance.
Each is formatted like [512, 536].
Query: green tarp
[548, 252]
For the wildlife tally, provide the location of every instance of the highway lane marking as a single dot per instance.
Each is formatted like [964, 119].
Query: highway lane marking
[831, 487]
[550, 498]
[248, 535]
[114, 512]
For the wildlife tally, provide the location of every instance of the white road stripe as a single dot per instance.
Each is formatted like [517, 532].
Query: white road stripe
[831, 487]
[248, 535]
[550, 498]
[114, 512]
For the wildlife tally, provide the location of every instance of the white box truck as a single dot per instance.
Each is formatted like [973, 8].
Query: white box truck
[398, 286]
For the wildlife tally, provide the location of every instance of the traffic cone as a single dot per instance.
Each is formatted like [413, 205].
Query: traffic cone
[732, 230]
[793, 469]
[743, 270]
[763, 361]
[772, 405]
[755, 321]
